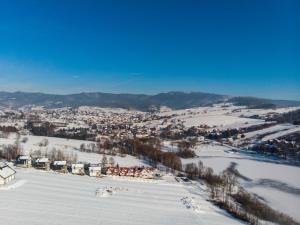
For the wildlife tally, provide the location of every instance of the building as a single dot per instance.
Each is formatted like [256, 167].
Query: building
[95, 171]
[24, 161]
[77, 169]
[7, 174]
[59, 166]
[141, 172]
[42, 163]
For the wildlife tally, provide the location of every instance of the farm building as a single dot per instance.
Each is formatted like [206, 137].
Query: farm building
[95, 171]
[23, 161]
[42, 163]
[7, 174]
[77, 169]
[59, 166]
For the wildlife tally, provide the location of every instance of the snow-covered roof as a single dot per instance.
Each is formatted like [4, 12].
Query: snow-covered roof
[91, 168]
[77, 165]
[24, 157]
[42, 160]
[6, 171]
[60, 163]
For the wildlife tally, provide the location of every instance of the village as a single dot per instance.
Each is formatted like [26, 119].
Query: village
[166, 145]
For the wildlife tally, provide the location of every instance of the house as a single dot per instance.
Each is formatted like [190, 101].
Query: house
[95, 171]
[7, 174]
[142, 172]
[23, 161]
[77, 169]
[110, 171]
[130, 172]
[147, 173]
[42, 163]
[59, 166]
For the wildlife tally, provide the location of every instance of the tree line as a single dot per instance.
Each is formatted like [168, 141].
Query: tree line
[227, 193]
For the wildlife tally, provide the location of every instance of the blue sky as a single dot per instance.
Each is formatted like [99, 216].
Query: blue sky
[150, 46]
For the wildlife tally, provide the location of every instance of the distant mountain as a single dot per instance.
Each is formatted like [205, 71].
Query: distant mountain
[174, 100]
[253, 102]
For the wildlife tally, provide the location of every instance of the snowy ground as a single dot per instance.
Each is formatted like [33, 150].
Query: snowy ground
[270, 130]
[68, 146]
[282, 133]
[222, 117]
[54, 199]
[277, 184]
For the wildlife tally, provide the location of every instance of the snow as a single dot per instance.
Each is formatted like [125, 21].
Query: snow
[262, 112]
[168, 146]
[220, 117]
[42, 160]
[272, 129]
[281, 133]
[60, 163]
[221, 121]
[53, 199]
[6, 171]
[278, 184]
[69, 146]
[13, 185]
[24, 157]
[215, 116]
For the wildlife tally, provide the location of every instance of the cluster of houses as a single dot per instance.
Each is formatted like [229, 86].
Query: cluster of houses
[7, 172]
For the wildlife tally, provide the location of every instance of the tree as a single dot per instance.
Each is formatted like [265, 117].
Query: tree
[111, 161]
[200, 168]
[104, 161]
[93, 147]
[192, 170]
[230, 180]
[82, 147]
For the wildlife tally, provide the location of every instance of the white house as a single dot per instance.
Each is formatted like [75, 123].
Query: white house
[95, 171]
[7, 174]
[78, 168]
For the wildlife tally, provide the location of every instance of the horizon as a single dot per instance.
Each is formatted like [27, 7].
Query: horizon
[166, 92]
[234, 48]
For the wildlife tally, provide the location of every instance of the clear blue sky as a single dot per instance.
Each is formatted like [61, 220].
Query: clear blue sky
[150, 46]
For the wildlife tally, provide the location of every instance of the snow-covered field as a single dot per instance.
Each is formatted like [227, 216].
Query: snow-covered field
[270, 130]
[68, 146]
[68, 199]
[282, 133]
[220, 117]
[278, 184]
[220, 121]
[61, 199]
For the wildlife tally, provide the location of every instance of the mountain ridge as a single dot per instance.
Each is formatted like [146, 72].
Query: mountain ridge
[144, 102]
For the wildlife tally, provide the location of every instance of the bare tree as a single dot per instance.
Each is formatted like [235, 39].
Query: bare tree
[111, 161]
[82, 147]
[200, 168]
[104, 161]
